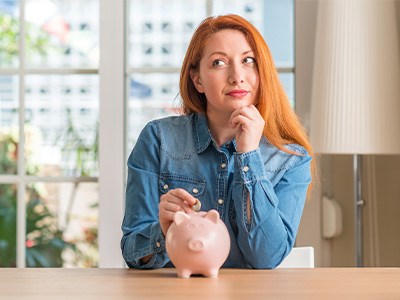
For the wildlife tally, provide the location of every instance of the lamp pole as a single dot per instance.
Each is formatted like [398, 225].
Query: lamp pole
[358, 205]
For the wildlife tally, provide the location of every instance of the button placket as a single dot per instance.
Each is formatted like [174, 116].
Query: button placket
[223, 173]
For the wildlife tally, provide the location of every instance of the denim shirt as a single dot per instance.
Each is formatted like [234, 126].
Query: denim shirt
[179, 152]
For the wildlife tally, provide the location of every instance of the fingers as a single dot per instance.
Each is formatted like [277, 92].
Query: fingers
[180, 195]
[244, 114]
[171, 202]
[249, 125]
[170, 206]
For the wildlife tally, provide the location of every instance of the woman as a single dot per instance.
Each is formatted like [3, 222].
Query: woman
[238, 148]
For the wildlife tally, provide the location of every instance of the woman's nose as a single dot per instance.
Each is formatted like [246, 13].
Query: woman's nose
[234, 80]
[235, 75]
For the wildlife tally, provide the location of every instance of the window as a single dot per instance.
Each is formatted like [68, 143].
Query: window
[49, 133]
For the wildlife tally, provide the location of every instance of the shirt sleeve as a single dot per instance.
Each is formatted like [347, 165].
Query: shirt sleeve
[142, 233]
[275, 211]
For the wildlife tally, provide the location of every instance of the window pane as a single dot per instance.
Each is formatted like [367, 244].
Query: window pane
[279, 31]
[62, 33]
[8, 225]
[9, 135]
[273, 18]
[151, 96]
[61, 228]
[159, 30]
[9, 33]
[61, 125]
[287, 80]
[252, 10]
[155, 26]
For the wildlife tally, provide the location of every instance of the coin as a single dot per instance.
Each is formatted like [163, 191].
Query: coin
[196, 207]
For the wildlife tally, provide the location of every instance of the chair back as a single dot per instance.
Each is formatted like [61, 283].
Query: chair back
[299, 257]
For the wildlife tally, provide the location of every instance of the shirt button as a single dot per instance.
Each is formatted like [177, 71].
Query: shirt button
[245, 168]
[220, 201]
[165, 186]
[195, 191]
[223, 165]
[158, 244]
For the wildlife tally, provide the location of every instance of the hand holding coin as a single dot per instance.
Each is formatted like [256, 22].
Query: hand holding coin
[196, 207]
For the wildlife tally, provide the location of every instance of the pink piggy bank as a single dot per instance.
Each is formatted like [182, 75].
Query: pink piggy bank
[197, 243]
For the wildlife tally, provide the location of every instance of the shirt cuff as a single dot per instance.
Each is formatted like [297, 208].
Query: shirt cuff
[156, 247]
[157, 239]
[249, 166]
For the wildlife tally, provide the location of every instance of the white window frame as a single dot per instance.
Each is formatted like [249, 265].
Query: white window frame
[111, 135]
[21, 180]
[111, 131]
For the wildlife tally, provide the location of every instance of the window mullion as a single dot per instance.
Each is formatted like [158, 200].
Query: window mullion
[111, 131]
[21, 205]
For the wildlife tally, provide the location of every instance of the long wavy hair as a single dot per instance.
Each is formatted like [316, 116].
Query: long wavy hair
[282, 126]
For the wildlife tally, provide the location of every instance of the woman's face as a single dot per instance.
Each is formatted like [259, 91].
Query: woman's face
[227, 73]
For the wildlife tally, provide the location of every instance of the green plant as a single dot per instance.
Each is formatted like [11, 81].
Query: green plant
[8, 153]
[44, 242]
[37, 41]
[9, 36]
[79, 149]
[8, 223]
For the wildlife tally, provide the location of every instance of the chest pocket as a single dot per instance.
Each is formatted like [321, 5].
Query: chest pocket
[193, 186]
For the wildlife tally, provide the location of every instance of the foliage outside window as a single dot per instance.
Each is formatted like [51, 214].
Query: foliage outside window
[46, 241]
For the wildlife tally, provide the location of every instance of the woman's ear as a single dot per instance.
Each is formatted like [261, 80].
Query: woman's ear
[195, 76]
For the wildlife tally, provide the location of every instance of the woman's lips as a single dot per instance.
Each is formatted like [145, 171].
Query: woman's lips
[238, 93]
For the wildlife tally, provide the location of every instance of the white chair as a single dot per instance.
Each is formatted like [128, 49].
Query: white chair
[299, 257]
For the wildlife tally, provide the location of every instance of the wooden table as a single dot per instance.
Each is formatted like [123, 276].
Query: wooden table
[115, 284]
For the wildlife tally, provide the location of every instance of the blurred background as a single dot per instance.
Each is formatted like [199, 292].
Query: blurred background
[79, 79]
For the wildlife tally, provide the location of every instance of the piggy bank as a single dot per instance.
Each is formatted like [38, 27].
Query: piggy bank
[197, 243]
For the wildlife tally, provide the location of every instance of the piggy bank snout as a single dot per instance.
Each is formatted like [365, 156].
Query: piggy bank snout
[195, 245]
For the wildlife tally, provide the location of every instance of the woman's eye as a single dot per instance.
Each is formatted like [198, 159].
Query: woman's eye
[218, 62]
[249, 60]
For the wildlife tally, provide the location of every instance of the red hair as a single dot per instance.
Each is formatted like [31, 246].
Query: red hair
[282, 126]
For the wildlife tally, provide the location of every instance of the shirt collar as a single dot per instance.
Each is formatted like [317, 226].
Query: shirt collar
[203, 134]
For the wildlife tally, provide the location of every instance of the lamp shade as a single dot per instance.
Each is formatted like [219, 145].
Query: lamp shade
[356, 86]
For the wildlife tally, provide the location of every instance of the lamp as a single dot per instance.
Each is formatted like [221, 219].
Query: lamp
[356, 86]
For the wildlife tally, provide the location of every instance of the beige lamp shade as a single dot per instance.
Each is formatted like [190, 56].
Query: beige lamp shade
[356, 85]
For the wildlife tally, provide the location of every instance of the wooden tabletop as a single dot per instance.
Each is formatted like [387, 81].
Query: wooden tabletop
[115, 284]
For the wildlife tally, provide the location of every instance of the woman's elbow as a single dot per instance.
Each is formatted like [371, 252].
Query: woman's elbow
[269, 265]
[271, 259]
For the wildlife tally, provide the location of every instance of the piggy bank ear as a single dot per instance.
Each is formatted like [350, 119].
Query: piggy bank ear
[213, 216]
[180, 217]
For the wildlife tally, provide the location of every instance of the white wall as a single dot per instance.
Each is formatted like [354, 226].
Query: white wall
[310, 226]
[380, 176]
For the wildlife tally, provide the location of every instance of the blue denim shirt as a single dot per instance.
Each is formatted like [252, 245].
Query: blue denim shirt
[179, 152]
